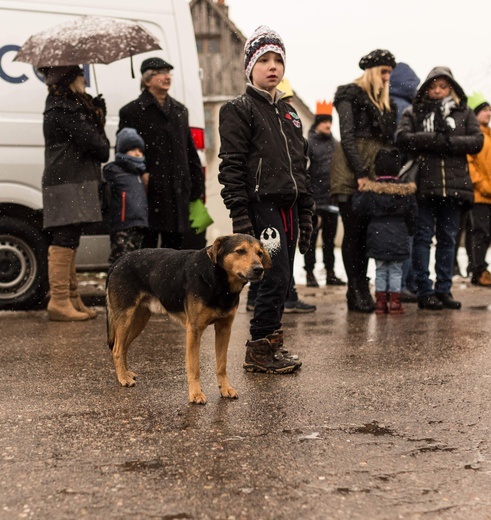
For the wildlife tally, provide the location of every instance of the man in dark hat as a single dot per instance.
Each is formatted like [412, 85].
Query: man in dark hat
[176, 175]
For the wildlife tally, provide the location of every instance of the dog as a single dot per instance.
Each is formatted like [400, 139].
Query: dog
[196, 287]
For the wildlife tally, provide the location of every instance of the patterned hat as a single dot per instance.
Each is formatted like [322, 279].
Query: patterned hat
[377, 58]
[262, 41]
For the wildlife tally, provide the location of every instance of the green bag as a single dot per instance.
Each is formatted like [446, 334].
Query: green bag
[198, 216]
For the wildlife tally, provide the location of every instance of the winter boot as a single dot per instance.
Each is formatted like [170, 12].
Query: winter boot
[311, 279]
[381, 302]
[357, 298]
[260, 357]
[277, 344]
[332, 279]
[60, 307]
[77, 302]
[395, 306]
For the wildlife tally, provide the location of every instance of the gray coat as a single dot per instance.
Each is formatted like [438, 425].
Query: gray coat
[75, 146]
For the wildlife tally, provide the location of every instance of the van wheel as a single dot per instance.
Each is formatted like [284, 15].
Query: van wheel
[23, 265]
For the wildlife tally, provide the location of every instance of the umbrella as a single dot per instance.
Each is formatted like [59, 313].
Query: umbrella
[87, 39]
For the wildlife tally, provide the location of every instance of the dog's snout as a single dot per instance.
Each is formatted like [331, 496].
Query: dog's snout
[258, 270]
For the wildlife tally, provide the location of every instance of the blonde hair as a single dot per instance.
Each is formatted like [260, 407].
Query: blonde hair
[378, 91]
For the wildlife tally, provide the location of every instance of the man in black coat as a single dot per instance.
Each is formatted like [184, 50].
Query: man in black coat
[176, 174]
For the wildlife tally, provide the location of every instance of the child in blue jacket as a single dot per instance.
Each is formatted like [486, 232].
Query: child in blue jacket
[391, 206]
[127, 178]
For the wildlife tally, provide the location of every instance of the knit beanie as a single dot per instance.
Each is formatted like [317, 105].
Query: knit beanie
[320, 118]
[387, 163]
[263, 40]
[129, 139]
[377, 58]
[477, 102]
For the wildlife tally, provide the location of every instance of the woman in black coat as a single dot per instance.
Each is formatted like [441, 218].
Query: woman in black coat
[367, 120]
[75, 147]
[439, 130]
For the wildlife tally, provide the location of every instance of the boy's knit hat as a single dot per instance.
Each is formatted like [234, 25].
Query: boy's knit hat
[477, 102]
[129, 139]
[263, 40]
[377, 58]
[387, 163]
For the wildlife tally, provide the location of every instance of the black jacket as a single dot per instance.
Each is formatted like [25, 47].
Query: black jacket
[176, 174]
[263, 154]
[392, 209]
[441, 154]
[321, 148]
[75, 146]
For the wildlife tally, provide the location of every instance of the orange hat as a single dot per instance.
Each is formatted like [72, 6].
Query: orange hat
[323, 112]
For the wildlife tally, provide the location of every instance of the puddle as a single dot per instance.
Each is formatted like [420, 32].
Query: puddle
[373, 428]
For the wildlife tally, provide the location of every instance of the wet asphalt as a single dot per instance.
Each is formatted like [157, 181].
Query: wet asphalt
[388, 418]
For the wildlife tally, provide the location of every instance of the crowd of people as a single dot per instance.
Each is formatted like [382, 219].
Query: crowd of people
[413, 163]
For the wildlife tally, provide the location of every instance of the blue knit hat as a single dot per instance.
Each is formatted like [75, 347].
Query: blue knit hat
[129, 139]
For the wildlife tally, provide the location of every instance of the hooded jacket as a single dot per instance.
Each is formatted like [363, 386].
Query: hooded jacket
[392, 210]
[403, 87]
[364, 131]
[441, 154]
[321, 149]
[263, 153]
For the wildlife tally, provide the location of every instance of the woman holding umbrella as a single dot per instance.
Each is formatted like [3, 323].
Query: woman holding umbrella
[75, 146]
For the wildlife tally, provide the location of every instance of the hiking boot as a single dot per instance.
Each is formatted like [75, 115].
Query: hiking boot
[448, 301]
[484, 279]
[276, 340]
[260, 357]
[312, 280]
[430, 302]
[299, 307]
[332, 279]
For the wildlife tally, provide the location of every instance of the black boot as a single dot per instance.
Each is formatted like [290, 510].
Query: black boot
[260, 357]
[430, 302]
[357, 297]
[448, 301]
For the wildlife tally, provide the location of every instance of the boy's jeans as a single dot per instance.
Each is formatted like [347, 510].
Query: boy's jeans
[388, 276]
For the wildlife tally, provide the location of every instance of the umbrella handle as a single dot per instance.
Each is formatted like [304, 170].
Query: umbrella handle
[132, 69]
[95, 80]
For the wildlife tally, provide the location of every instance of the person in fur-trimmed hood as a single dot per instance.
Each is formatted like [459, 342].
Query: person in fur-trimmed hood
[439, 130]
[391, 207]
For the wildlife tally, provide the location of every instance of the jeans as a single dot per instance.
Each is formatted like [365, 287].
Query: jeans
[436, 217]
[388, 276]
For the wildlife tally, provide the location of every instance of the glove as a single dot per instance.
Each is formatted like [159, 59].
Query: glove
[242, 224]
[441, 144]
[100, 103]
[306, 228]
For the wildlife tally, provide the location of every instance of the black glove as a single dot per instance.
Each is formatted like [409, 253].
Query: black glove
[100, 103]
[306, 228]
[441, 144]
[242, 224]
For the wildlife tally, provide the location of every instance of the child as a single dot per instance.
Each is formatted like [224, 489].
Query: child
[391, 206]
[266, 189]
[129, 208]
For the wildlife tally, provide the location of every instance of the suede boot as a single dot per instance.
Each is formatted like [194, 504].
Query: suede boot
[381, 302]
[60, 307]
[261, 357]
[75, 298]
[395, 306]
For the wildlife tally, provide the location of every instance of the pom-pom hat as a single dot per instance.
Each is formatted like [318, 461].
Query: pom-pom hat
[377, 58]
[263, 40]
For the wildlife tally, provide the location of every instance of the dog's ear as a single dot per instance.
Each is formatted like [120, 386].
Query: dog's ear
[214, 250]
[266, 261]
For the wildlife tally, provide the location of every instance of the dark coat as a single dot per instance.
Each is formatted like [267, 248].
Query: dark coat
[176, 174]
[75, 147]
[443, 169]
[364, 131]
[392, 209]
[321, 149]
[129, 206]
[263, 153]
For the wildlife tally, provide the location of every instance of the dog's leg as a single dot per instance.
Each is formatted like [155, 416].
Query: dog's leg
[193, 341]
[128, 326]
[223, 329]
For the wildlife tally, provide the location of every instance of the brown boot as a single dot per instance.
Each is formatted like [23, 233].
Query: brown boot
[381, 302]
[60, 307]
[77, 302]
[395, 306]
[260, 357]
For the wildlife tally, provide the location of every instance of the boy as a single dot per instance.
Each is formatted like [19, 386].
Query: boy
[391, 207]
[266, 189]
[127, 178]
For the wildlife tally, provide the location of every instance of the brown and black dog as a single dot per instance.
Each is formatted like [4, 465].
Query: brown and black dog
[198, 287]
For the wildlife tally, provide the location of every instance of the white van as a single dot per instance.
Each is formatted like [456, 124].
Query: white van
[23, 245]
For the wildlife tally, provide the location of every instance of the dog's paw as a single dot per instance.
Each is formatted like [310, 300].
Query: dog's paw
[197, 398]
[229, 393]
[127, 379]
